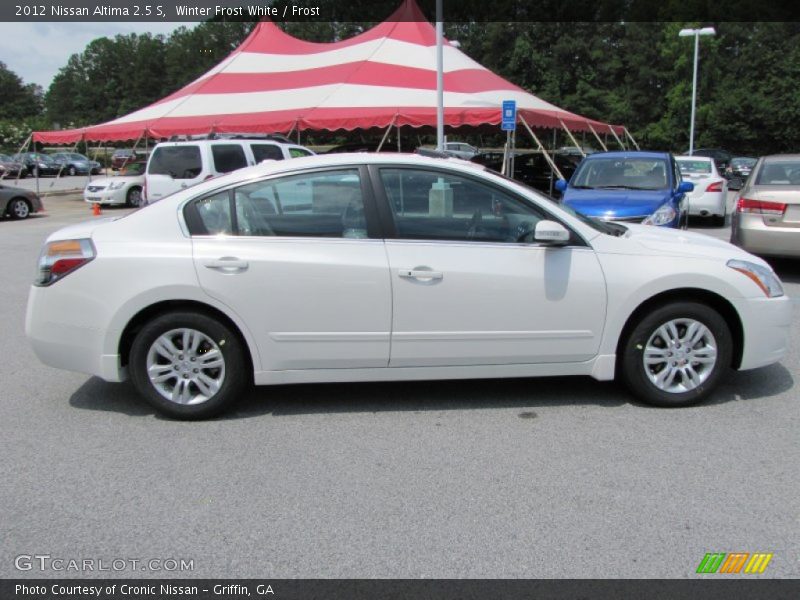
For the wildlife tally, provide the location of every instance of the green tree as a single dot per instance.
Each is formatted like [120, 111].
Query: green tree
[18, 100]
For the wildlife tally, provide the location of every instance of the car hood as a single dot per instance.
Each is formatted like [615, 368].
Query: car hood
[618, 204]
[681, 243]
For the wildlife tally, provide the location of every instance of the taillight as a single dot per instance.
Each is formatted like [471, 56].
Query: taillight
[58, 259]
[715, 187]
[760, 207]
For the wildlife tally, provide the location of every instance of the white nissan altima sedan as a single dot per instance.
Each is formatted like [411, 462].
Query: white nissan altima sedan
[377, 267]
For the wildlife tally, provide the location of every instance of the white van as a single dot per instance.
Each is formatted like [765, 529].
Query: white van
[174, 166]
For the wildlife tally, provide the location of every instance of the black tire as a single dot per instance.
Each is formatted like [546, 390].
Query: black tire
[18, 209]
[237, 368]
[23, 173]
[635, 374]
[72, 171]
[719, 220]
[134, 197]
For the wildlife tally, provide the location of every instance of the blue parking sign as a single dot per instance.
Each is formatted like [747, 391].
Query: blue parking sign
[509, 122]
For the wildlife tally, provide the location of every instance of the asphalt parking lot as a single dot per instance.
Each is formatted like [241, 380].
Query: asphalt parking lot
[543, 477]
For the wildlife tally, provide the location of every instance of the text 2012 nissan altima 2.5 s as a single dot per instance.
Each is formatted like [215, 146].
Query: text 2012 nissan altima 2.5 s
[370, 267]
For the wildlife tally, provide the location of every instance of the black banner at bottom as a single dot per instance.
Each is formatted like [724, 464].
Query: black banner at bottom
[390, 589]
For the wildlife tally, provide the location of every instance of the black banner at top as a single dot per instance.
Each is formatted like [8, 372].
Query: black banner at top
[455, 11]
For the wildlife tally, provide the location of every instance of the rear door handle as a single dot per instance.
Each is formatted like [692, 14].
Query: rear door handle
[420, 274]
[227, 264]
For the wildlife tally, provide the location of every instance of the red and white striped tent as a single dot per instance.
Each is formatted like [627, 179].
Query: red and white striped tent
[386, 76]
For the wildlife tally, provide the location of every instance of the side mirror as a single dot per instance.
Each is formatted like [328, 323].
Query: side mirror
[684, 187]
[551, 232]
[561, 185]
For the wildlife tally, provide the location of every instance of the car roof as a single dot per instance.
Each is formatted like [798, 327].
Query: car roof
[772, 157]
[692, 157]
[628, 154]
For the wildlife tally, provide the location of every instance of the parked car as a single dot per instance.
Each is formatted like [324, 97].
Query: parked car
[636, 187]
[18, 203]
[312, 270]
[124, 156]
[710, 195]
[361, 147]
[738, 171]
[11, 168]
[767, 217]
[38, 163]
[532, 168]
[461, 150]
[174, 166]
[124, 189]
[72, 163]
[720, 156]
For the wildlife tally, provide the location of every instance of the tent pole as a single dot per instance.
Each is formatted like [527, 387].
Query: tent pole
[599, 141]
[555, 131]
[541, 147]
[633, 141]
[398, 138]
[22, 149]
[572, 138]
[385, 135]
[619, 141]
[439, 77]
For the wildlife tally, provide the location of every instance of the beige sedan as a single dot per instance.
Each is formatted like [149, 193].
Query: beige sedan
[767, 216]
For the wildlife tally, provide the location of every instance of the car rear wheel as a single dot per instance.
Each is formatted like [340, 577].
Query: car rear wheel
[19, 209]
[676, 355]
[188, 365]
[134, 197]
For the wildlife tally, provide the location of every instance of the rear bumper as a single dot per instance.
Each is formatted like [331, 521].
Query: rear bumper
[750, 232]
[75, 345]
[766, 323]
[707, 204]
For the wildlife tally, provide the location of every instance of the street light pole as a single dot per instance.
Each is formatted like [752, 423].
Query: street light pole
[439, 78]
[696, 33]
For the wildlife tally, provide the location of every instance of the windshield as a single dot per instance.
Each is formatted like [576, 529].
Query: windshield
[621, 173]
[694, 167]
[785, 172]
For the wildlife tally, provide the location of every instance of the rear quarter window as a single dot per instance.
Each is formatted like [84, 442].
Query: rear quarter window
[228, 157]
[178, 162]
[266, 152]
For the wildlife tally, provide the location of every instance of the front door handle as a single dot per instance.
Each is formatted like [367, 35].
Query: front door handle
[420, 274]
[227, 264]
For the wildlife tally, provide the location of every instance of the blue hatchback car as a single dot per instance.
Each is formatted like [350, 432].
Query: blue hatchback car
[637, 187]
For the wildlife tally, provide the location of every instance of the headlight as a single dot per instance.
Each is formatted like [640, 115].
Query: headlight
[761, 276]
[116, 185]
[43, 165]
[665, 214]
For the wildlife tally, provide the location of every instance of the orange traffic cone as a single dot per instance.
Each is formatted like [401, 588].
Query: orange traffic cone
[96, 209]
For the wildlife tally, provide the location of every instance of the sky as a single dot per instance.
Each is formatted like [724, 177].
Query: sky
[36, 51]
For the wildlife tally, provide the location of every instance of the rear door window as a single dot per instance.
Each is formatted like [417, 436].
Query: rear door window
[178, 162]
[266, 152]
[228, 157]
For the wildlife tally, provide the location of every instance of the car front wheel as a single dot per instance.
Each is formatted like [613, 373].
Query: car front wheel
[134, 197]
[676, 355]
[188, 365]
[19, 209]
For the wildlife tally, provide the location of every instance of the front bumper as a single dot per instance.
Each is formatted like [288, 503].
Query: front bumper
[766, 323]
